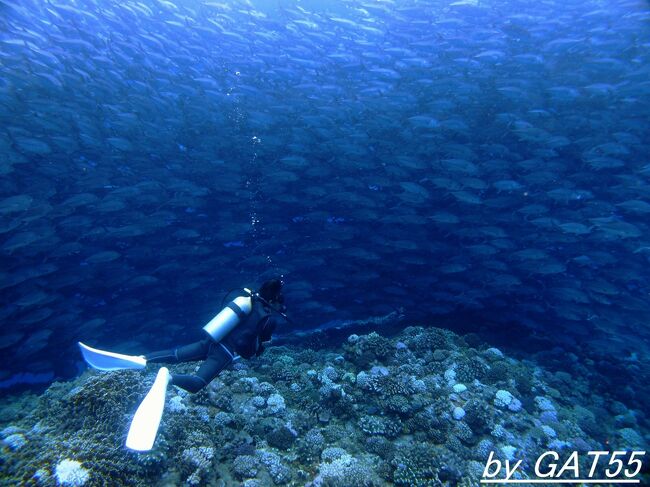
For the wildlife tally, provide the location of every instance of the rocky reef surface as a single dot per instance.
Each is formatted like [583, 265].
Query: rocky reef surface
[423, 408]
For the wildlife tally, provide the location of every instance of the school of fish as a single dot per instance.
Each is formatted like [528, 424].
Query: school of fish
[429, 155]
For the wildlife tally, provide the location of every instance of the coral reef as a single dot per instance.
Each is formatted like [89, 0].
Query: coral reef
[70, 473]
[418, 409]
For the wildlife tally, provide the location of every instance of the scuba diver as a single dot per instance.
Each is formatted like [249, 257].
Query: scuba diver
[241, 329]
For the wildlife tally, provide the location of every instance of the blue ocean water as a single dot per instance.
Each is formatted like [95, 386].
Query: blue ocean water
[481, 165]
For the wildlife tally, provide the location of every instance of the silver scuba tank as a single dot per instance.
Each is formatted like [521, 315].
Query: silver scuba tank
[230, 316]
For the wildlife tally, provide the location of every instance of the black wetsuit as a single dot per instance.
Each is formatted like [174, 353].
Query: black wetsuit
[244, 340]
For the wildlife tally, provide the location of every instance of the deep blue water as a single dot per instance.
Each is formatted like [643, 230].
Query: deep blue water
[483, 165]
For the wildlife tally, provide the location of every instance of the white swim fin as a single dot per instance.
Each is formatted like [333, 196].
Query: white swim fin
[102, 360]
[146, 420]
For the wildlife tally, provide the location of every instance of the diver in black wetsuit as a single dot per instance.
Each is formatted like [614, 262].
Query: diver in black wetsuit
[240, 330]
[246, 340]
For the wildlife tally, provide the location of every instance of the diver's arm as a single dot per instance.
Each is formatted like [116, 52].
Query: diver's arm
[268, 329]
[265, 335]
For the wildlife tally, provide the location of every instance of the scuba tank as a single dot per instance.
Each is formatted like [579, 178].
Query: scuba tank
[230, 316]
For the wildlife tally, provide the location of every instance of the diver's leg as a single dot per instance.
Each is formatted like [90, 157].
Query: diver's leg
[218, 359]
[187, 353]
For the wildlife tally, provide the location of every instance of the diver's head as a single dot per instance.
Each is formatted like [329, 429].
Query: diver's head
[271, 291]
